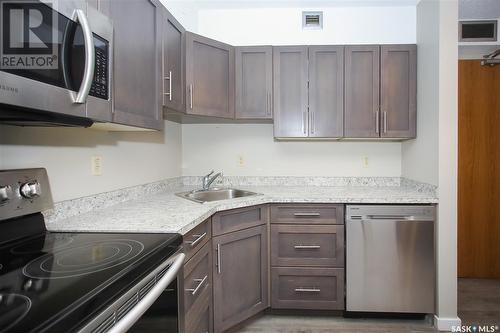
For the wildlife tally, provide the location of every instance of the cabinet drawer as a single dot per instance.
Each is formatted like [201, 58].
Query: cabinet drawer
[199, 319]
[237, 219]
[197, 277]
[308, 288]
[307, 245]
[307, 213]
[196, 238]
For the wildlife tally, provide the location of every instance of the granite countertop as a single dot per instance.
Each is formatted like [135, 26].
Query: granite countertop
[167, 213]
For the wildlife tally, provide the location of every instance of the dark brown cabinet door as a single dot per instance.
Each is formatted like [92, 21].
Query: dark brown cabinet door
[326, 91]
[136, 61]
[173, 63]
[254, 82]
[240, 276]
[290, 91]
[398, 77]
[209, 77]
[362, 117]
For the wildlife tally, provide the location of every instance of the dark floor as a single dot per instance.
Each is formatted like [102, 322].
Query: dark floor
[478, 303]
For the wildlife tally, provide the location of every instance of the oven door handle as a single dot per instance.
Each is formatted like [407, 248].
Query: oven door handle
[88, 74]
[124, 324]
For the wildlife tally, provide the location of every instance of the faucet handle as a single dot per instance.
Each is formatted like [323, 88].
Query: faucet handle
[210, 173]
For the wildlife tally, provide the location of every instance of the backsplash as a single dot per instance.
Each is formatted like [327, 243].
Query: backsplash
[296, 181]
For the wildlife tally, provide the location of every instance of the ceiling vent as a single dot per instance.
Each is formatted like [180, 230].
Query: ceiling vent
[312, 20]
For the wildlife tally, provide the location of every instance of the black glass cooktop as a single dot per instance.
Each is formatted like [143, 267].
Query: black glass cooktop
[55, 282]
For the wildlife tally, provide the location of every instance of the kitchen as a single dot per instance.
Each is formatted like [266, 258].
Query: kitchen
[324, 118]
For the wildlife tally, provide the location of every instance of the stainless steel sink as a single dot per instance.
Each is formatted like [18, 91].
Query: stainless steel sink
[215, 194]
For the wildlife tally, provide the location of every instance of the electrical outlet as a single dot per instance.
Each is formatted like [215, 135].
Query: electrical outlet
[241, 161]
[365, 162]
[96, 165]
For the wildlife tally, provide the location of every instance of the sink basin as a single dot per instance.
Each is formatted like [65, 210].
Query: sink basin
[215, 194]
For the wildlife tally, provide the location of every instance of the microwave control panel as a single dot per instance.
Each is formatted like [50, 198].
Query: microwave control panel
[100, 84]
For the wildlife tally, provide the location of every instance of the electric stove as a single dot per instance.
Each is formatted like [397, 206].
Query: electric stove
[72, 282]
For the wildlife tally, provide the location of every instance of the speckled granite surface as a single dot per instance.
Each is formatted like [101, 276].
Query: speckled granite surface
[162, 211]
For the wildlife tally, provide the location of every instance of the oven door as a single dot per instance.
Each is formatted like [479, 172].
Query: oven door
[162, 316]
[51, 65]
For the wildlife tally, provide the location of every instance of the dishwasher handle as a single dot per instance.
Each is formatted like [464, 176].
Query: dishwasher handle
[369, 218]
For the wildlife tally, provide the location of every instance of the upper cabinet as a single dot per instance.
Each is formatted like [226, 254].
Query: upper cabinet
[398, 97]
[380, 91]
[209, 77]
[362, 91]
[254, 82]
[308, 91]
[173, 63]
[290, 91]
[137, 94]
[326, 91]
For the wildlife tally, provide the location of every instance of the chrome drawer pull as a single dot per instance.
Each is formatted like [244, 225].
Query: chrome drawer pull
[307, 290]
[197, 240]
[306, 214]
[306, 247]
[201, 282]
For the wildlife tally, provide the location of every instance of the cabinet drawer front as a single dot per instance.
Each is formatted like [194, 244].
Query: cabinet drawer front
[307, 213]
[311, 245]
[197, 277]
[237, 219]
[308, 288]
[199, 319]
[195, 239]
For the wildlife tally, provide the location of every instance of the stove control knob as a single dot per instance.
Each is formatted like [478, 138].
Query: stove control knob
[5, 192]
[30, 190]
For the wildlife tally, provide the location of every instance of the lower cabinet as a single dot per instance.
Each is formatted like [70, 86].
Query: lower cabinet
[307, 257]
[240, 276]
[196, 300]
[307, 288]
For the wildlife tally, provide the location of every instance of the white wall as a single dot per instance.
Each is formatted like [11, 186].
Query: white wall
[420, 156]
[432, 157]
[283, 26]
[209, 146]
[448, 155]
[220, 146]
[129, 158]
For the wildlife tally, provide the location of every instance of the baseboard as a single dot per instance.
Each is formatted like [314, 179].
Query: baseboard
[447, 324]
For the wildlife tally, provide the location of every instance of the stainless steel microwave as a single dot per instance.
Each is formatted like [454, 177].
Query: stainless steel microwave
[55, 62]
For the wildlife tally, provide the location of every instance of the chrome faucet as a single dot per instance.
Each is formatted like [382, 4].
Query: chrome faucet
[207, 180]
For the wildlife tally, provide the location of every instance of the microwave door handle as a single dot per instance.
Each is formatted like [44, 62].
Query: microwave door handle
[88, 74]
[124, 324]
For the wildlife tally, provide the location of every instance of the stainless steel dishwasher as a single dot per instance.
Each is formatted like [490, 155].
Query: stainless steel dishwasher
[390, 258]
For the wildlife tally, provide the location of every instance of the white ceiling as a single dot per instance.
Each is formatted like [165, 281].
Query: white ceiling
[230, 4]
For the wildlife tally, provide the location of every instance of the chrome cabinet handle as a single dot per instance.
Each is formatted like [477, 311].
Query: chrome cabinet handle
[191, 96]
[385, 121]
[306, 247]
[197, 240]
[218, 259]
[304, 120]
[306, 214]
[269, 104]
[197, 288]
[307, 290]
[169, 78]
[377, 122]
[88, 73]
[313, 127]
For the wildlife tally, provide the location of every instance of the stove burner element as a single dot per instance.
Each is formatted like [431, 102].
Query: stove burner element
[45, 245]
[14, 308]
[84, 259]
